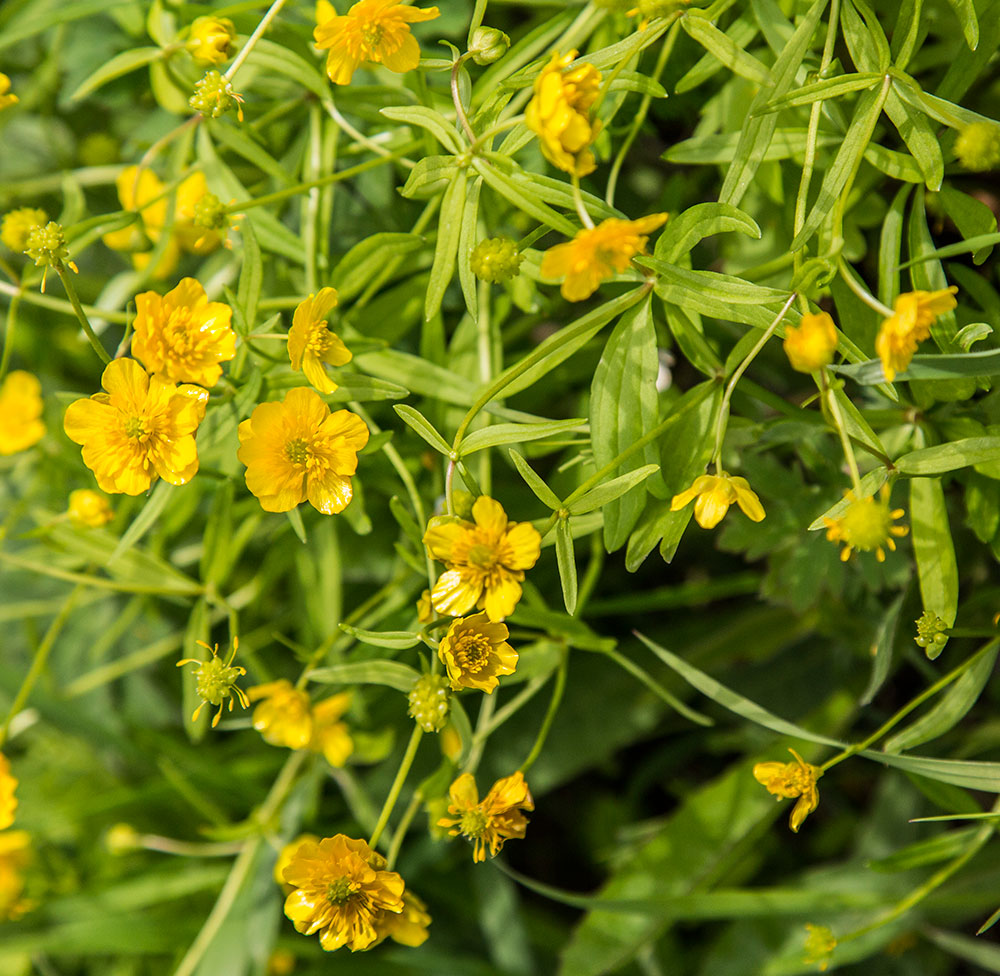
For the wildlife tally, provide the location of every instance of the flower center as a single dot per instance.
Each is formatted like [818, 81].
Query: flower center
[474, 822]
[135, 426]
[340, 891]
[482, 555]
[297, 451]
[319, 338]
[180, 332]
[371, 36]
[472, 652]
[866, 524]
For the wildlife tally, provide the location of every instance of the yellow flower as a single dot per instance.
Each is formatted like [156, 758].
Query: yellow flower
[8, 787]
[142, 428]
[283, 718]
[6, 99]
[285, 856]
[20, 412]
[216, 681]
[475, 651]
[486, 560]
[409, 927]
[789, 780]
[715, 493]
[559, 113]
[819, 946]
[866, 525]
[425, 612]
[14, 856]
[330, 736]
[297, 449]
[596, 253]
[311, 343]
[182, 336]
[18, 226]
[908, 326]
[810, 346]
[211, 40]
[497, 818]
[89, 508]
[341, 890]
[374, 31]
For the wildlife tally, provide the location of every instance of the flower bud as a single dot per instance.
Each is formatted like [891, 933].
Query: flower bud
[210, 212]
[978, 146]
[429, 702]
[495, 259]
[17, 226]
[931, 631]
[488, 44]
[214, 96]
[211, 40]
[122, 838]
[811, 345]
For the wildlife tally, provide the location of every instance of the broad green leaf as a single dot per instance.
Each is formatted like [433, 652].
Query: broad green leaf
[566, 561]
[948, 457]
[393, 674]
[435, 123]
[395, 639]
[417, 422]
[429, 177]
[611, 490]
[499, 434]
[542, 491]
[820, 90]
[368, 258]
[724, 49]
[934, 551]
[696, 223]
[119, 65]
[446, 246]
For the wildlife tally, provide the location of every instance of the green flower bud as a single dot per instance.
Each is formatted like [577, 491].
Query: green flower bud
[214, 96]
[429, 702]
[495, 259]
[930, 631]
[978, 146]
[46, 245]
[463, 502]
[488, 44]
[210, 212]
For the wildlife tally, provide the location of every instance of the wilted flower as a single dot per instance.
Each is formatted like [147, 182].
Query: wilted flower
[790, 780]
[311, 343]
[497, 818]
[21, 423]
[866, 525]
[715, 493]
[908, 326]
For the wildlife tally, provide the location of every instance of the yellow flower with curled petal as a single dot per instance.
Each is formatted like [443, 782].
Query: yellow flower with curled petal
[408, 927]
[285, 856]
[374, 32]
[7, 97]
[211, 39]
[866, 525]
[182, 336]
[18, 226]
[559, 113]
[8, 789]
[297, 450]
[21, 406]
[597, 253]
[715, 493]
[495, 819]
[89, 508]
[311, 343]
[790, 780]
[910, 323]
[475, 651]
[141, 429]
[486, 560]
[342, 891]
[810, 345]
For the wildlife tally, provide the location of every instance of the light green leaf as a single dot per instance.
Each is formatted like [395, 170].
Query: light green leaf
[933, 850]
[696, 223]
[119, 65]
[934, 552]
[948, 457]
[251, 275]
[466, 244]
[421, 425]
[885, 638]
[446, 246]
[819, 90]
[396, 639]
[393, 674]
[523, 198]
[566, 561]
[368, 258]
[435, 123]
[542, 491]
[725, 50]
[429, 177]
[298, 526]
[143, 522]
[499, 434]
[983, 776]
[965, 11]
[600, 496]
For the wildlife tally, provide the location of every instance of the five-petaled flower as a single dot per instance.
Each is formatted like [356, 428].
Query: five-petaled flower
[182, 336]
[486, 560]
[715, 493]
[810, 345]
[342, 891]
[790, 780]
[311, 343]
[488, 823]
[866, 525]
[908, 326]
[21, 423]
[297, 450]
[372, 31]
[597, 253]
[142, 428]
[8, 789]
[475, 651]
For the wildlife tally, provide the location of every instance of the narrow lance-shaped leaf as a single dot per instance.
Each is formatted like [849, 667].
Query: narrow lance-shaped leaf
[566, 560]
[934, 551]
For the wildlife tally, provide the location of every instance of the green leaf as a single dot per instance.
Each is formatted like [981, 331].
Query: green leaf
[422, 426]
[499, 434]
[235, 139]
[466, 243]
[687, 332]
[611, 490]
[446, 246]
[741, 32]
[817, 91]
[885, 638]
[985, 956]
[696, 223]
[719, 148]
[934, 552]
[251, 276]
[393, 674]
[435, 123]
[522, 198]
[429, 177]
[933, 850]
[119, 65]
[972, 217]
[278, 59]
[890, 247]
[396, 639]
[869, 373]
[725, 50]
[143, 522]
[298, 527]
[919, 136]
[983, 776]
[870, 483]
[965, 11]
[948, 457]
[368, 258]
[566, 561]
[542, 491]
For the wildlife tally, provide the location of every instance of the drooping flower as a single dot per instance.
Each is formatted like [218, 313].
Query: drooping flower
[790, 780]
[311, 343]
[810, 345]
[21, 425]
[372, 31]
[283, 717]
[819, 945]
[142, 428]
[866, 525]
[8, 789]
[18, 226]
[908, 326]
[597, 253]
[486, 560]
[89, 508]
[297, 449]
[497, 818]
[211, 40]
[15, 853]
[475, 651]
[7, 97]
[559, 113]
[182, 336]
[341, 890]
[715, 493]
[216, 681]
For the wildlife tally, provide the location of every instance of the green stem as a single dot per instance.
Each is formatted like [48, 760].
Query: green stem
[656, 688]
[74, 299]
[852, 282]
[397, 785]
[456, 98]
[8, 334]
[550, 714]
[837, 417]
[581, 210]
[483, 721]
[401, 828]
[253, 39]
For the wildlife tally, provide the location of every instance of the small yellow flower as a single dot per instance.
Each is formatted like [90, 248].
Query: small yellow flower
[216, 681]
[283, 717]
[908, 326]
[425, 612]
[211, 40]
[285, 856]
[297, 449]
[330, 736]
[15, 854]
[21, 425]
[311, 343]
[819, 945]
[18, 226]
[373, 31]
[8, 788]
[486, 560]
[475, 651]
[559, 113]
[866, 525]
[597, 253]
[810, 345]
[182, 336]
[89, 508]
[497, 818]
[789, 780]
[6, 100]
[142, 428]
[342, 891]
[409, 927]
[715, 493]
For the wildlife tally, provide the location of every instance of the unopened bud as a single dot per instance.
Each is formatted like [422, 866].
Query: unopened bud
[211, 40]
[496, 259]
[429, 702]
[214, 96]
[488, 44]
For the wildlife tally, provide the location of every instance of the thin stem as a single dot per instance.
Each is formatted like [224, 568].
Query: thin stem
[483, 721]
[484, 343]
[830, 399]
[550, 714]
[80, 313]
[254, 37]
[399, 833]
[852, 282]
[359, 137]
[656, 688]
[59, 304]
[8, 333]
[581, 210]
[397, 785]
[456, 97]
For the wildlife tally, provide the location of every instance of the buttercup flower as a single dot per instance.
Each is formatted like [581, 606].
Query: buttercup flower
[373, 31]
[182, 336]
[341, 890]
[283, 717]
[8, 787]
[409, 927]
[89, 508]
[21, 425]
[15, 853]
[330, 735]
[559, 113]
[819, 945]
[7, 98]
[475, 651]
[789, 780]
[297, 449]
[597, 253]
[715, 493]
[311, 343]
[18, 225]
[497, 818]
[810, 345]
[211, 40]
[216, 681]
[142, 428]
[908, 326]
[866, 525]
[486, 560]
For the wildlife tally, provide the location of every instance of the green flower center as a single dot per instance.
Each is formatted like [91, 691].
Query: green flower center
[297, 451]
[474, 823]
[135, 426]
[340, 891]
[483, 556]
[866, 524]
